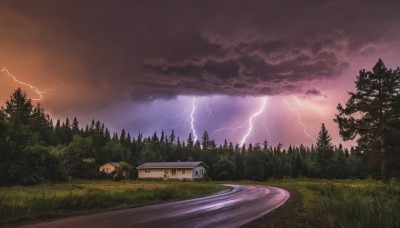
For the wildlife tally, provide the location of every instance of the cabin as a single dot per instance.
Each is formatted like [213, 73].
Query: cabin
[109, 167]
[172, 170]
[112, 167]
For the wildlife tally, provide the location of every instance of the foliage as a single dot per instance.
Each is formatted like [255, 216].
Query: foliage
[24, 132]
[32, 150]
[339, 203]
[88, 196]
[372, 115]
[125, 167]
[325, 154]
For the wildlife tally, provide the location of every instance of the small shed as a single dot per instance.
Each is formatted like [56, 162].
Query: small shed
[172, 170]
[109, 167]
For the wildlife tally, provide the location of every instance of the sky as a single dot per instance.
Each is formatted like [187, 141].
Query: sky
[245, 71]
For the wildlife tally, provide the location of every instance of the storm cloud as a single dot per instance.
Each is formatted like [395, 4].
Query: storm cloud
[147, 50]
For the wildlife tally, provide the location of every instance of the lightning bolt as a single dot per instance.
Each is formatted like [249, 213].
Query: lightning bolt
[265, 125]
[182, 118]
[252, 117]
[251, 120]
[234, 129]
[177, 124]
[33, 88]
[192, 120]
[309, 104]
[299, 120]
[210, 113]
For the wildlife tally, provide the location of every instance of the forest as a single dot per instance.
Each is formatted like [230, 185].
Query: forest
[33, 149]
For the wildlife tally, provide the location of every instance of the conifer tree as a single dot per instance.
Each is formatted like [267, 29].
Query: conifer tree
[370, 111]
[75, 126]
[190, 141]
[19, 162]
[172, 137]
[67, 132]
[325, 154]
[206, 141]
[41, 123]
[122, 137]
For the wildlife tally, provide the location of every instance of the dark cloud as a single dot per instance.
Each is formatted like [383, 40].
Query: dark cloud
[150, 49]
[247, 67]
[223, 69]
[313, 92]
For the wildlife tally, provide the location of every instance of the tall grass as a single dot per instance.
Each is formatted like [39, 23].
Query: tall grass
[345, 203]
[361, 206]
[50, 200]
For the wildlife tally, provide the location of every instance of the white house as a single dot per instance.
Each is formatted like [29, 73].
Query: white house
[172, 170]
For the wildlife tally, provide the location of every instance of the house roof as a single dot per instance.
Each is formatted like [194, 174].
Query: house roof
[116, 164]
[171, 165]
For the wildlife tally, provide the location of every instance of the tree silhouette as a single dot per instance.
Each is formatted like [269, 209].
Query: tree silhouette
[325, 154]
[370, 110]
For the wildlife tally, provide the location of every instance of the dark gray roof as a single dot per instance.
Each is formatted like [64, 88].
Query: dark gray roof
[171, 165]
[116, 164]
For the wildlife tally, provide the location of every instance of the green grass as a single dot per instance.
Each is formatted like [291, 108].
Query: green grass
[313, 203]
[54, 200]
[337, 203]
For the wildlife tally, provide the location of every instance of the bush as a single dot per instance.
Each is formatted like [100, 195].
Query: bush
[206, 177]
[117, 177]
[103, 176]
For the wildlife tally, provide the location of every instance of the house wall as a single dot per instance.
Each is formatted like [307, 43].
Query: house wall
[200, 172]
[154, 173]
[188, 174]
[180, 173]
[107, 168]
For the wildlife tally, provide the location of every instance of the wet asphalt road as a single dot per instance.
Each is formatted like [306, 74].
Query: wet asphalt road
[231, 208]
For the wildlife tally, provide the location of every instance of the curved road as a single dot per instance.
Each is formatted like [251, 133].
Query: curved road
[231, 208]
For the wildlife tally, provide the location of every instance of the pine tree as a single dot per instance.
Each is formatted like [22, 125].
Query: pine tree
[57, 133]
[67, 132]
[128, 140]
[206, 141]
[375, 99]
[3, 140]
[190, 141]
[20, 161]
[75, 126]
[42, 124]
[107, 135]
[162, 137]
[172, 137]
[97, 128]
[154, 138]
[92, 126]
[122, 138]
[325, 154]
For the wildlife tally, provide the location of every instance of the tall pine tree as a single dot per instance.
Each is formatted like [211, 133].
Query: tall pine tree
[370, 110]
[325, 158]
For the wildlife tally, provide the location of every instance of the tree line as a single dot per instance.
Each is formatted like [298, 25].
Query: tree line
[34, 150]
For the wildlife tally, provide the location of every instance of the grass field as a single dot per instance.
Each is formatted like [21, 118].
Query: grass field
[313, 203]
[337, 203]
[52, 200]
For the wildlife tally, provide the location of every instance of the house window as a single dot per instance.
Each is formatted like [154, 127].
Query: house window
[147, 170]
[173, 171]
[202, 172]
[183, 171]
[197, 173]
